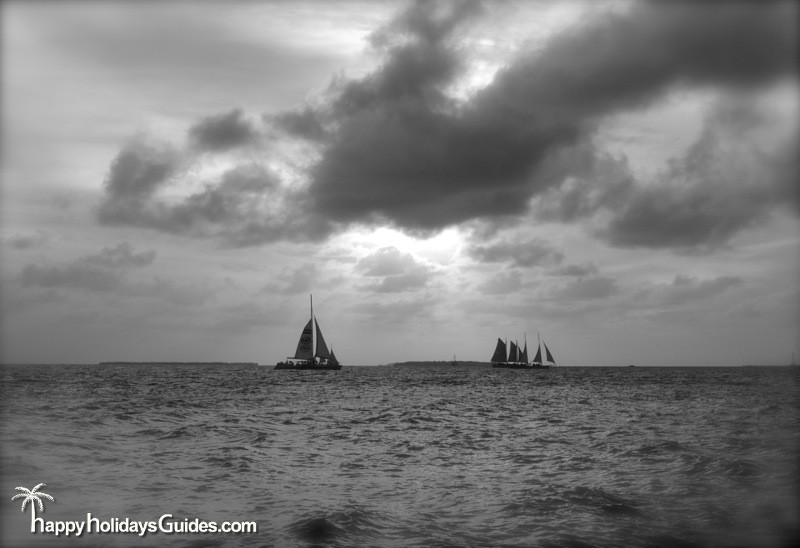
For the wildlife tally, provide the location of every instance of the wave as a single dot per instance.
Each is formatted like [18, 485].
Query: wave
[352, 527]
[604, 502]
[738, 469]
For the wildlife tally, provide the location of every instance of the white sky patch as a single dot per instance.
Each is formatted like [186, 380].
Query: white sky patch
[342, 27]
[440, 250]
[649, 138]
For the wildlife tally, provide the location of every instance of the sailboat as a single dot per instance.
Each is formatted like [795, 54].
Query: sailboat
[537, 362]
[305, 357]
[517, 358]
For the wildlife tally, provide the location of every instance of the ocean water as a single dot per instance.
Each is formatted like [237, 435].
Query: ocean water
[407, 456]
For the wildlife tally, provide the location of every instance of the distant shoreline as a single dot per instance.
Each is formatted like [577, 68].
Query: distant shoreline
[448, 363]
[178, 363]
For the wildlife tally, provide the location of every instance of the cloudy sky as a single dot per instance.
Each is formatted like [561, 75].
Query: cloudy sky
[621, 177]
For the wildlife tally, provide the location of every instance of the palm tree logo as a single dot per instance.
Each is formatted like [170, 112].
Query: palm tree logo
[32, 495]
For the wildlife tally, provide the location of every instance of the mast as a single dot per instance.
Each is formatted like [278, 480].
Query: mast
[539, 347]
[311, 300]
[538, 358]
[524, 355]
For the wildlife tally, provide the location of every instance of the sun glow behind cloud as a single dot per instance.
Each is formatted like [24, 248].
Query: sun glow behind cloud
[441, 250]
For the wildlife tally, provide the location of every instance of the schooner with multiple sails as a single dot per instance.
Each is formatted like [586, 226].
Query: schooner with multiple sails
[305, 357]
[512, 357]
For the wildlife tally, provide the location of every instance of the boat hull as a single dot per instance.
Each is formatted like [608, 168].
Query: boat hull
[309, 366]
[506, 365]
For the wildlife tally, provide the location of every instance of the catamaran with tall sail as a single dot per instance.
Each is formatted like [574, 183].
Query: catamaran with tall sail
[305, 357]
[518, 359]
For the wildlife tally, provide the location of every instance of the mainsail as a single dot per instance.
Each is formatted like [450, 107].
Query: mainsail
[322, 348]
[513, 354]
[547, 351]
[499, 355]
[305, 347]
[538, 358]
[524, 357]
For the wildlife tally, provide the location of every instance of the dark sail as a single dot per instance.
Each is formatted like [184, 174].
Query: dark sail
[305, 347]
[499, 355]
[322, 348]
[549, 355]
[513, 353]
[538, 357]
[524, 357]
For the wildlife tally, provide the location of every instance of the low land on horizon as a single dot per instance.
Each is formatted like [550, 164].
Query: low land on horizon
[440, 362]
[488, 364]
[175, 363]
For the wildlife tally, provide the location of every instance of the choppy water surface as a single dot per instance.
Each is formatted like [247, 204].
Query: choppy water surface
[410, 456]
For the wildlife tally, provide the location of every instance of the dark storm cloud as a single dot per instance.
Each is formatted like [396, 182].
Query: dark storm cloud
[305, 123]
[418, 59]
[724, 183]
[223, 132]
[392, 271]
[223, 204]
[395, 148]
[588, 181]
[139, 169]
[245, 206]
[403, 153]
[522, 253]
[626, 60]
[728, 179]
[402, 150]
